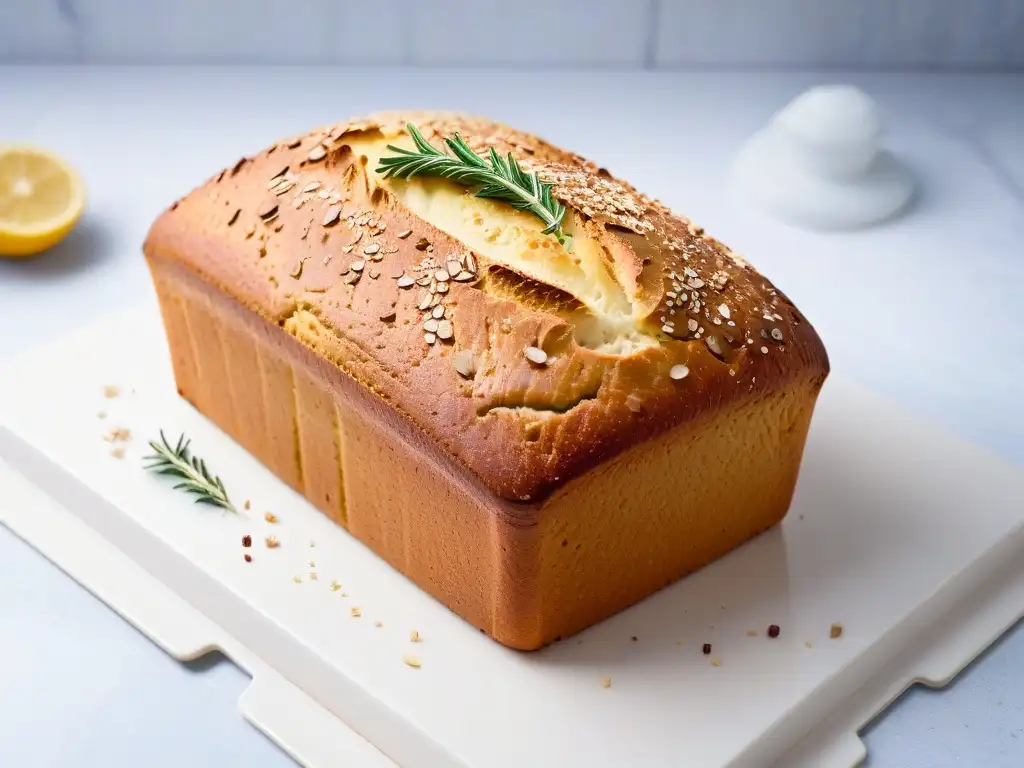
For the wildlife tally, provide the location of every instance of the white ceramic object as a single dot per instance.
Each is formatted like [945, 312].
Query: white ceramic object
[818, 163]
[909, 537]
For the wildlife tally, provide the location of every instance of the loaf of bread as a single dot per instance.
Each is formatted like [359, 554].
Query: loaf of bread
[538, 431]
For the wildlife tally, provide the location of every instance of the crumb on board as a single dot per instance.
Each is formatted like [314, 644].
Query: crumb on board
[411, 661]
[313, 576]
[297, 579]
[117, 453]
[312, 543]
[101, 415]
[606, 682]
[247, 506]
[414, 637]
[751, 633]
[716, 662]
[378, 624]
[808, 644]
[680, 642]
[312, 563]
[633, 638]
[118, 435]
[334, 586]
[270, 517]
[836, 630]
[344, 594]
[111, 391]
[356, 611]
[272, 542]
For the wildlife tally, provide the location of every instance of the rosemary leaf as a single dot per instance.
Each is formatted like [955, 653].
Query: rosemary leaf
[196, 479]
[496, 178]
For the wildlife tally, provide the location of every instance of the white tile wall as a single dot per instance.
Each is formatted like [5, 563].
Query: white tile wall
[246, 31]
[869, 33]
[38, 29]
[619, 33]
[530, 32]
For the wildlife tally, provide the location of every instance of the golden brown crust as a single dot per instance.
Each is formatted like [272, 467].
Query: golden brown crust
[321, 250]
[526, 574]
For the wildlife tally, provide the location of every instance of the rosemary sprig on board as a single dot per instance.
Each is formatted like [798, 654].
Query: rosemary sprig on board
[498, 178]
[195, 478]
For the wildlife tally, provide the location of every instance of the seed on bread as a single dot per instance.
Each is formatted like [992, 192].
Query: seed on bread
[276, 178]
[331, 216]
[268, 210]
[536, 355]
[465, 363]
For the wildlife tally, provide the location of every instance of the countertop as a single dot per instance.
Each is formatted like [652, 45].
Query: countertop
[928, 310]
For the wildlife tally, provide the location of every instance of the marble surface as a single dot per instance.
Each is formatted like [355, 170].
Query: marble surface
[926, 310]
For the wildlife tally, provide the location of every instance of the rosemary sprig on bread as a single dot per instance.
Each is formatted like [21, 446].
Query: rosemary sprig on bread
[196, 479]
[497, 177]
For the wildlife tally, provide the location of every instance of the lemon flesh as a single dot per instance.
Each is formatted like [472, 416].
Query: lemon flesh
[41, 200]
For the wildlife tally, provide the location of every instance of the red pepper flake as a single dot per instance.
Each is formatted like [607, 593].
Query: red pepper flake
[706, 649]
[248, 557]
[247, 541]
[773, 631]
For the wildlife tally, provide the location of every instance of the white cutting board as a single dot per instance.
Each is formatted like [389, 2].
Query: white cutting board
[909, 537]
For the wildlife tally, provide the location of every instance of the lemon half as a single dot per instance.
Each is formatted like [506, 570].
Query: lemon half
[41, 200]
